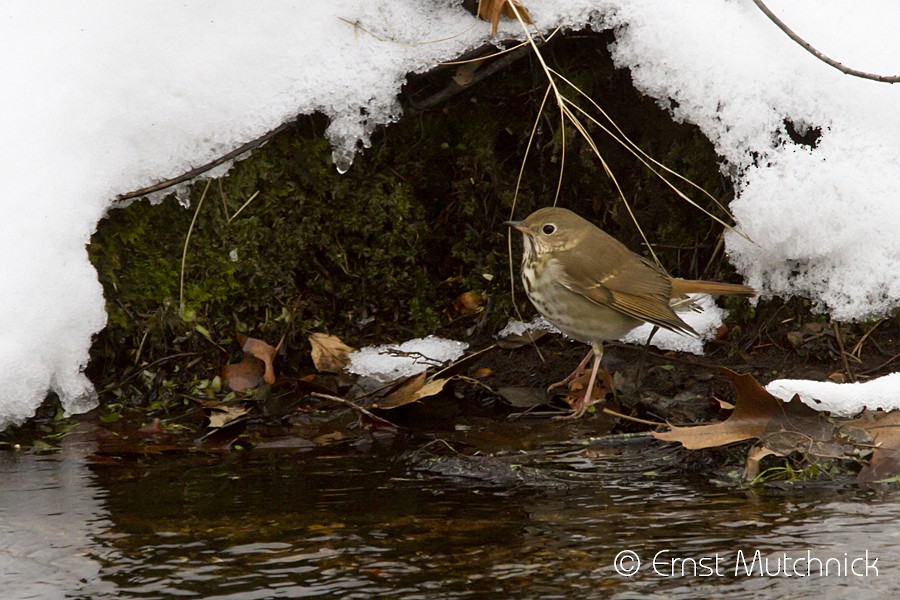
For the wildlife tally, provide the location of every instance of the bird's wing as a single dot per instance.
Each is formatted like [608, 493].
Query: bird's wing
[624, 281]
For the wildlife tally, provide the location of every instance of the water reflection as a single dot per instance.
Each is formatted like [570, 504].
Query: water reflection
[52, 518]
[351, 525]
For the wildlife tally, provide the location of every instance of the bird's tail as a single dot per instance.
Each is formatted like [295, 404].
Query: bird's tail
[696, 286]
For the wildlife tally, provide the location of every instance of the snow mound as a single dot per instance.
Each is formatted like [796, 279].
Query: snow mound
[392, 362]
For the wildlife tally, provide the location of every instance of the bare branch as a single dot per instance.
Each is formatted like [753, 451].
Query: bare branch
[208, 166]
[809, 48]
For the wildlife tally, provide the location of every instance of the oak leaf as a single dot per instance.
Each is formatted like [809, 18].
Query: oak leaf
[757, 415]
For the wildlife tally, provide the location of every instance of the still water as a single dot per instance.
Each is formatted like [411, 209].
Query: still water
[345, 523]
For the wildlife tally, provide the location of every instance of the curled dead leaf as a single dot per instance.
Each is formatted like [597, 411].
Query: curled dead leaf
[245, 375]
[256, 366]
[754, 457]
[261, 350]
[490, 10]
[329, 353]
[410, 390]
[468, 303]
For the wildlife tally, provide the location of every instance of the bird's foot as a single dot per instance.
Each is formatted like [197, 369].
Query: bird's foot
[581, 401]
[575, 375]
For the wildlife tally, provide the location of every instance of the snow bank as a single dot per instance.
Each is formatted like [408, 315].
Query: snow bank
[823, 220]
[104, 97]
[842, 399]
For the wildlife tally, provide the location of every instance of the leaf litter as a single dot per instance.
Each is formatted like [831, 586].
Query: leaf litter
[793, 428]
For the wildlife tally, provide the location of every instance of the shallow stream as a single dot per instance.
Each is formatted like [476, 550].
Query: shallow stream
[406, 520]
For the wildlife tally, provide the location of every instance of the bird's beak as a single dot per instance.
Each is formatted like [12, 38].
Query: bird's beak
[517, 225]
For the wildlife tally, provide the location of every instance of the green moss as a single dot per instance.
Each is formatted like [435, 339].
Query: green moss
[380, 252]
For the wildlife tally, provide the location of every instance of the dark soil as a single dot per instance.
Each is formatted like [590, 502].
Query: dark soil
[469, 420]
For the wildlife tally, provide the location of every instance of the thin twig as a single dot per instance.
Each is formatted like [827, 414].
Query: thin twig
[840, 343]
[243, 206]
[630, 418]
[187, 240]
[857, 349]
[477, 76]
[812, 50]
[355, 407]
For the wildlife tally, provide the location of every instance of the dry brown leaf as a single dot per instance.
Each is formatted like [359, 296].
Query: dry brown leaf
[578, 386]
[757, 414]
[723, 404]
[786, 427]
[754, 456]
[513, 341]
[411, 390]
[223, 414]
[245, 375]
[468, 303]
[329, 353]
[490, 10]
[327, 439]
[885, 431]
[261, 350]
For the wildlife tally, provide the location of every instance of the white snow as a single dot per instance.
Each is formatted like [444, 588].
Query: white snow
[103, 97]
[842, 399]
[516, 327]
[823, 221]
[391, 362]
[704, 323]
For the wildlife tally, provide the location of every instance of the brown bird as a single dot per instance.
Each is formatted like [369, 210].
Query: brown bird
[593, 288]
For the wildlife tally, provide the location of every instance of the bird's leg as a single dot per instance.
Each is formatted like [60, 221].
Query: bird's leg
[578, 372]
[586, 401]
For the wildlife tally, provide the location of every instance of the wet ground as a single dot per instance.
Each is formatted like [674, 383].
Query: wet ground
[302, 497]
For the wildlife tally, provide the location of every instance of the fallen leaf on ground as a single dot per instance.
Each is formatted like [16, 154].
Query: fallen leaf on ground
[757, 415]
[578, 386]
[754, 456]
[256, 366]
[885, 431]
[261, 350]
[329, 353]
[468, 303]
[412, 389]
[245, 375]
[329, 438]
[223, 414]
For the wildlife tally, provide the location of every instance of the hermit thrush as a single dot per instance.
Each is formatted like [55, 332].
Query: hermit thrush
[593, 288]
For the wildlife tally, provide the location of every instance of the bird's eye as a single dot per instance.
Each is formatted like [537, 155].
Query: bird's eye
[548, 229]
